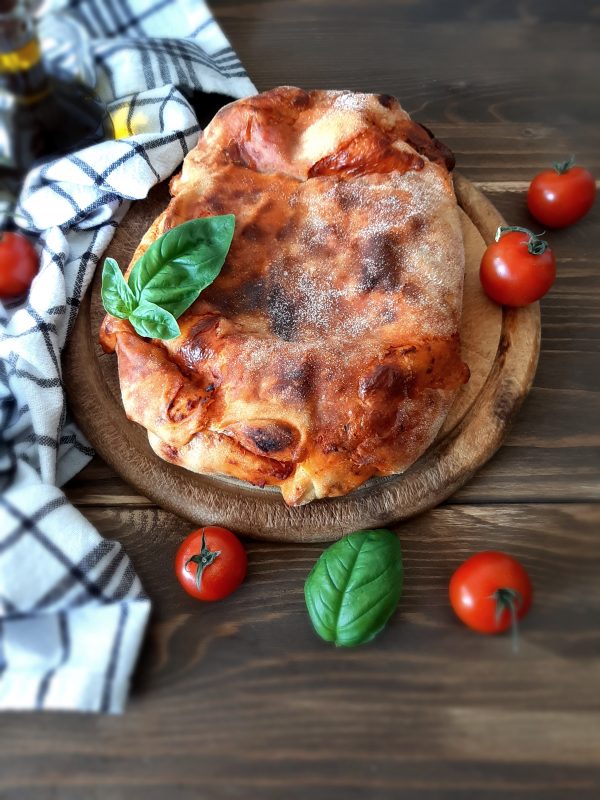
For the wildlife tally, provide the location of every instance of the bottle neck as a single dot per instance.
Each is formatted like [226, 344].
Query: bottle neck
[22, 72]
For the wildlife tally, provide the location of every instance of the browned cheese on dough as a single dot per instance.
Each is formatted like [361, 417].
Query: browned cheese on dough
[327, 350]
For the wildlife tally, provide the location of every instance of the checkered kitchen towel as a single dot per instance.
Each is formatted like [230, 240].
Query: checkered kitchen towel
[72, 610]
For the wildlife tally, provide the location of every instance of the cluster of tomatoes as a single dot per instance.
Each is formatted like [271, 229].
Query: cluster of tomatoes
[489, 592]
[519, 267]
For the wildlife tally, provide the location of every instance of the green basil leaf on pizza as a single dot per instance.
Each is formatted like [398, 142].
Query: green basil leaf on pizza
[117, 297]
[169, 276]
[155, 322]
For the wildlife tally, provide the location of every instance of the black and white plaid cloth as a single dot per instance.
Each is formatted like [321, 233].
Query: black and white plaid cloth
[72, 610]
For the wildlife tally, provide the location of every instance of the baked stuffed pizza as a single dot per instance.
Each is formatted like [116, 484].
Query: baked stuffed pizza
[327, 350]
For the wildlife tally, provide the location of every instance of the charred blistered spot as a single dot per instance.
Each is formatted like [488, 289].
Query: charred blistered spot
[381, 263]
[250, 196]
[298, 380]
[329, 447]
[427, 130]
[269, 439]
[385, 380]
[252, 232]
[282, 312]
[424, 142]
[301, 99]
[436, 150]
[272, 438]
[247, 297]
[386, 100]
[446, 155]
[252, 294]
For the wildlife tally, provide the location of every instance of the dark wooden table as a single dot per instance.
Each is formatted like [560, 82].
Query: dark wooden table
[239, 699]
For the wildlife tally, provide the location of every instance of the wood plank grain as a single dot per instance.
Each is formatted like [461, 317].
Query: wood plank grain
[240, 699]
[515, 64]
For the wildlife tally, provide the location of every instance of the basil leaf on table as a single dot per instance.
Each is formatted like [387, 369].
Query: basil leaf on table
[169, 276]
[355, 586]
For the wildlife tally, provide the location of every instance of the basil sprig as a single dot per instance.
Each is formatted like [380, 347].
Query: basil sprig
[170, 275]
[354, 587]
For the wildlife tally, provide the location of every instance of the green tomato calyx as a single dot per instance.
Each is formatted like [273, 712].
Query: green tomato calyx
[203, 559]
[563, 166]
[535, 244]
[509, 600]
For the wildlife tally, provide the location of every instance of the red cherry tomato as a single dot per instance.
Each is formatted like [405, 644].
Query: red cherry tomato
[18, 265]
[490, 592]
[518, 268]
[211, 563]
[559, 197]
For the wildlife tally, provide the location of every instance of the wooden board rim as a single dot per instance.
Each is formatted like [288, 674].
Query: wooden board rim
[433, 478]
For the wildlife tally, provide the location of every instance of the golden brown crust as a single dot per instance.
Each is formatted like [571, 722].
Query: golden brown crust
[327, 350]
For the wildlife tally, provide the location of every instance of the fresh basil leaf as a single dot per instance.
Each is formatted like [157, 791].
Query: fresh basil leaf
[354, 587]
[182, 262]
[117, 297]
[151, 320]
[170, 275]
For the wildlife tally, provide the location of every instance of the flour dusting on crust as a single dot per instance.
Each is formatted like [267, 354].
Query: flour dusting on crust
[327, 350]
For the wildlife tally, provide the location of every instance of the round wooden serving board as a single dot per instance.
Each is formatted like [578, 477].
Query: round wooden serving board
[501, 347]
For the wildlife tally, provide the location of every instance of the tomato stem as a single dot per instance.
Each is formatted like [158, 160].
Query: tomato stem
[202, 560]
[511, 600]
[564, 166]
[535, 245]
